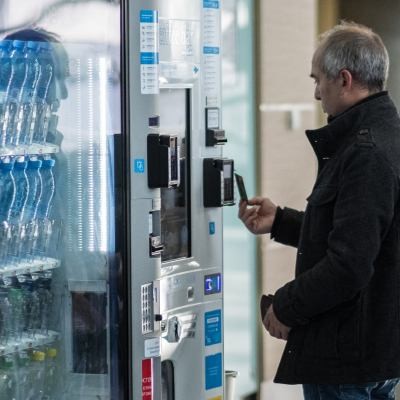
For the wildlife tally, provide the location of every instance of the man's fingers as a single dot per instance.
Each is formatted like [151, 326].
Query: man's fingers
[255, 201]
[242, 208]
[249, 221]
[274, 327]
[249, 212]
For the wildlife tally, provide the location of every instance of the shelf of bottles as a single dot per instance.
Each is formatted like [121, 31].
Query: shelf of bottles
[34, 149]
[28, 342]
[28, 234]
[37, 266]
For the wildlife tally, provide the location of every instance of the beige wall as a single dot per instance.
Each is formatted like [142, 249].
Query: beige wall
[383, 18]
[285, 46]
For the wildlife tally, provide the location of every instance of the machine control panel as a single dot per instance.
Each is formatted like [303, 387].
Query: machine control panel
[218, 183]
[214, 134]
[163, 160]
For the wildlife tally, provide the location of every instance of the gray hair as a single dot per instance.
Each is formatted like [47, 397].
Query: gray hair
[356, 48]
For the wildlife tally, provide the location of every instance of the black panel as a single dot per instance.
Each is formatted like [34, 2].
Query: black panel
[175, 203]
[89, 333]
[120, 268]
[167, 380]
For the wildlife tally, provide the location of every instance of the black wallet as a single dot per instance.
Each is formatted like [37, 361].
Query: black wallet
[265, 302]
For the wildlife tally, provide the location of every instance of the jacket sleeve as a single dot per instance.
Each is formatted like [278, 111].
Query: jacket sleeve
[286, 226]
[362, 215]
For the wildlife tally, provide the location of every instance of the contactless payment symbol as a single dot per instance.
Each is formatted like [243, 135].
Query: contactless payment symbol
[139, 165]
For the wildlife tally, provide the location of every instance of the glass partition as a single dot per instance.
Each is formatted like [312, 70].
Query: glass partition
[60, 119]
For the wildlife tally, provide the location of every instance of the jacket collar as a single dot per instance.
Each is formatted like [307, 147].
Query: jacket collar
[327, 140]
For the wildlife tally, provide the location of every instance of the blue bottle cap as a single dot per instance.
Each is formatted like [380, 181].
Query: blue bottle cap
[7, 166]
[18, 44]
[48, 163]
[5, 44]
[45, 46]
[28, 285]
[34, 164]
[33, 45]
[20, 164]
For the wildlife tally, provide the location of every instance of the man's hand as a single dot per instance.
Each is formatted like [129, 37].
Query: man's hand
[274, 326]
[257, 219]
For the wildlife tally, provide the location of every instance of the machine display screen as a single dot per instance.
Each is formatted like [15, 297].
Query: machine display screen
[175, 202]
[212, 284]
[227, 171]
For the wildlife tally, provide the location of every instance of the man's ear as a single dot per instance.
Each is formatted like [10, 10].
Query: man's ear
[346, 79]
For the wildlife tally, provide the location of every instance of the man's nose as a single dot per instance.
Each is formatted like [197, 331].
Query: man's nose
[316, 94]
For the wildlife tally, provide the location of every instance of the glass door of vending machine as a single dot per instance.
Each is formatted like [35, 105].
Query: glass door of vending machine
[63, 274]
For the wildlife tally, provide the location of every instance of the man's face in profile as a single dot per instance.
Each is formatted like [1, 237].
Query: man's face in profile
[329, 91]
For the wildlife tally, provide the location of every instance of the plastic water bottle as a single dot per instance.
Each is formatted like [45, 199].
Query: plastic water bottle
[5, 317]
[32, 318]
[31, 207]
[21, 190]
[28, 94]
[46, 300]
[13, 92]
[35, 189]
[23, 363]
[5, 73]
[36, 374]
[17, 302]
[7, 196]
[18, 229]
[7, 188]
[51, 374]
[48, 188]
[7, 378]
[41, 113]
[44, 208]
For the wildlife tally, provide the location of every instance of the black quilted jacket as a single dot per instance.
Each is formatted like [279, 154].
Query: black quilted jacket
[344, 304]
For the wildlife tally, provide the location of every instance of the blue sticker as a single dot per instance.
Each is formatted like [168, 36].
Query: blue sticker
[148, 16]
[210, 50]
[211, 4]
[211, 228]
[139, 165]
[212, 327]
[149, 58]
[213, 371]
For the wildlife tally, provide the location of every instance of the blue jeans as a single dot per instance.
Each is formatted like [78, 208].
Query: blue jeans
[367, 391]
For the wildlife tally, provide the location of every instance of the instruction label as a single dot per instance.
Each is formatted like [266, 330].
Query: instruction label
[213, 365]
[212, 325]
[149, 53]
[152, 347]
[211, 51]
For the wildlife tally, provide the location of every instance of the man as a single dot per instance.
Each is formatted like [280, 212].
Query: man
[341, 314]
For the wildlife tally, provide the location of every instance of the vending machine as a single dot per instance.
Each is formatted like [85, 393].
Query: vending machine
[112, 184]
